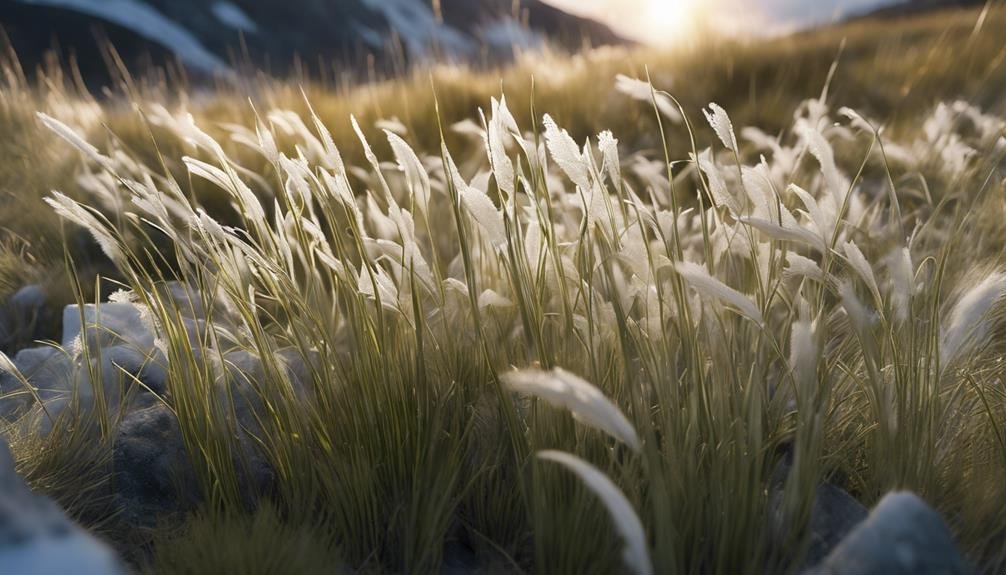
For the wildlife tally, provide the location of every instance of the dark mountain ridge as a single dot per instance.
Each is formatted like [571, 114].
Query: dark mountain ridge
[217, 37]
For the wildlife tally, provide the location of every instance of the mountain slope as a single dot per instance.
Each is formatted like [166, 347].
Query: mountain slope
[209, 37]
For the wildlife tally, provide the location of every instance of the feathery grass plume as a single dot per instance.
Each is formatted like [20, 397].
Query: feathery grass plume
[266, 142]
[392, 124]
[478, 206]
[75, 140]
[822, 150]
[857, 120]
[645, 92]
[491, 298]
[584, 401]
[791, 233]
[249, 203]
[608, 145]
[798, 265]
[566, 153]
[824, 222]
[635, 555]
[78, 214]
[862, 267]
[859, 314]
[717, 184]
[7, 366]
[902, 282]
[721, 124]
[971, 319]
[495, 145]
[416, 176]
[708, 286]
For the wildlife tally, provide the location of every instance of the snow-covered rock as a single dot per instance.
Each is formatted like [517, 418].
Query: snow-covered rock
[417, 26]
[106, 324]
[36, 537]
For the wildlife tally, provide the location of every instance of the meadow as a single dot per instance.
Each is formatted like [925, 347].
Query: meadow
[569, 316]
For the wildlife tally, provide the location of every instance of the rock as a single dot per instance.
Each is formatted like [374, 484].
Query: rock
[245, 375]
[29, 299]
[107, 324]
[120, 367]
[50, 370]
[37, 537]
[459, 559]
[24, 317]
[59, 378]
[153, 474]
[148, 369]
[901, 536]
[834, 513]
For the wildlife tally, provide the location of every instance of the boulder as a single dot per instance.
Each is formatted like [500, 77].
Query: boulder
[59, 378]
[123, 369]
[901, 536]
[37, 537]
[24, 317]
[833, 515]
[49, 369]
[153, 474]
[154, 477]
[107, 324]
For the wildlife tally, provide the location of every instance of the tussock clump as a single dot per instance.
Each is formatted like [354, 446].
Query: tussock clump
[746, 301]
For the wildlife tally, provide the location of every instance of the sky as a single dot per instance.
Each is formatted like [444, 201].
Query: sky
[666, 22]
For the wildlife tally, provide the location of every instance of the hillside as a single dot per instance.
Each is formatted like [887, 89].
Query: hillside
[687, 311]
[213, 37]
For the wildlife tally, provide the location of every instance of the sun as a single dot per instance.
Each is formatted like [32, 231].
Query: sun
[667, 22]
[656, 22]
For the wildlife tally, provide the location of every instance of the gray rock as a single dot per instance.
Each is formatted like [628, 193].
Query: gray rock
[60, 379]
[50, 370]
[153, 474]
[459, 559]
[107, 324]
[37, 537]
[24, 317]
[834, 514]
[246, 378]
[28, 300]
[120, 367]
[901, 536]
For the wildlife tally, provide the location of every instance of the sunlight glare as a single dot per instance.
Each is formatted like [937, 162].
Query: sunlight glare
[657, 22]
[666, 22]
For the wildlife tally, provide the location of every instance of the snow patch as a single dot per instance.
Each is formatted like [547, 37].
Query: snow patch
[369, 36]
[143, 19]
[418, 27]
[230, 14]
[509, 34]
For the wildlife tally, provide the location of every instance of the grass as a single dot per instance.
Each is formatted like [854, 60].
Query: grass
[838, 301]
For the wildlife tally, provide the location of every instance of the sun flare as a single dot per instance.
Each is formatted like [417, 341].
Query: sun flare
[658, 22]
[667, 21]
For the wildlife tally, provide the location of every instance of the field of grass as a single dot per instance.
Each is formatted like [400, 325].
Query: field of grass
[812, 273]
